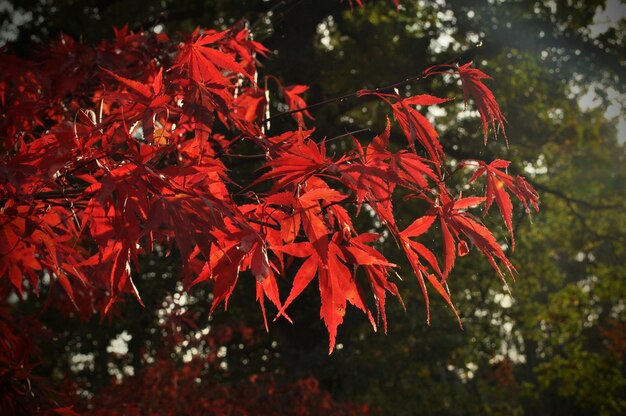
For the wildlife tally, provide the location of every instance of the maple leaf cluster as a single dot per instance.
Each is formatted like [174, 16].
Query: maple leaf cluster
[119, 150]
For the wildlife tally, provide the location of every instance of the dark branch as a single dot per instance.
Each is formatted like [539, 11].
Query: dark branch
[586, 204]
[388, 88]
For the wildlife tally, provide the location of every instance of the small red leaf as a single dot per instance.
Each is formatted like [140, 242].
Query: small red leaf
[305, 274]
[463, 249]
[419, 226]
[260, 264]
[142, 89]
[444, 294]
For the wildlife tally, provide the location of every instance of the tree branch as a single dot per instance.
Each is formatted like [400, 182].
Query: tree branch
[386, 88]
[586, 204]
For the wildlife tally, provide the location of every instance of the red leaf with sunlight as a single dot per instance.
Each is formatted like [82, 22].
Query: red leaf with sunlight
[456, 222]
[498, 183]
[294, 101]
[205, 64]
[484, 99]
[414, 125]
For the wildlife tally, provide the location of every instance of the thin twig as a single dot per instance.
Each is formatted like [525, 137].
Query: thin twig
[272, 12]
[390, 87]
[350, 133]
[586, 204]
[261, 156]
[263, 223]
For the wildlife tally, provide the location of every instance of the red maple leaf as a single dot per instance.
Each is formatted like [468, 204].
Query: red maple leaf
[484, 99]
[205, 64]
[498, 183]
[414, 125]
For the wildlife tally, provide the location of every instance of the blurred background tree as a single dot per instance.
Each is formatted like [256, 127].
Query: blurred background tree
[556, 346]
